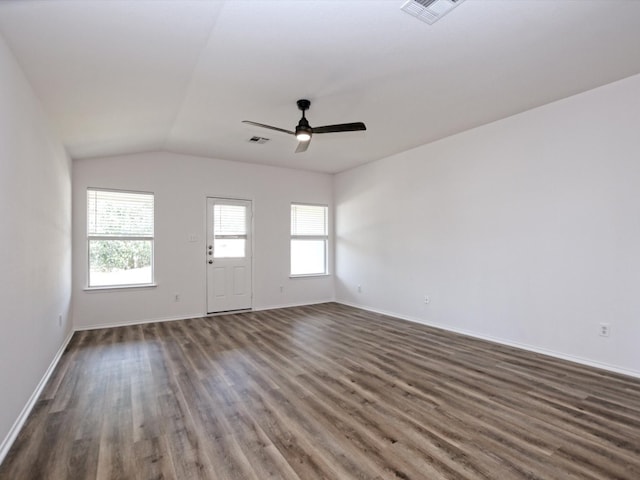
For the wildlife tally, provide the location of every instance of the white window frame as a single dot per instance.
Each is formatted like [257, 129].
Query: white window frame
[324, 237]
[90, 237]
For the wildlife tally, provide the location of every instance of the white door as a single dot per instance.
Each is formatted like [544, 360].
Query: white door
[228, 255]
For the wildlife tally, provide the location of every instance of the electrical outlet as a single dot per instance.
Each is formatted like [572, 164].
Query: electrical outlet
[281, 289]
[359, 288]
[60, 320]
[176, 297]
[605, 330]
[427, 299]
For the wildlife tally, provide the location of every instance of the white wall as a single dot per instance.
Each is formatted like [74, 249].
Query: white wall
[35, 239]
[181, 184]
[526, 230]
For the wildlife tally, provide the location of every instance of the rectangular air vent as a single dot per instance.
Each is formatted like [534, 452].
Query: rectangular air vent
[430, 11]
[259, 140]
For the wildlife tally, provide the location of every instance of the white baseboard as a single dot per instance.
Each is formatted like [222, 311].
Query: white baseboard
[290, 305]
[502, 341]
[137, 322]
[24, 414]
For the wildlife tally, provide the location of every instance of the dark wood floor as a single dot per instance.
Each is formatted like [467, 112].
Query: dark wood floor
[322, 392]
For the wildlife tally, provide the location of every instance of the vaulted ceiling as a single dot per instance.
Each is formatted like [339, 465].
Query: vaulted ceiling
[129, 76]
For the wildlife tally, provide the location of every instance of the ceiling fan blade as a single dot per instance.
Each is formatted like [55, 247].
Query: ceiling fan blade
[269, 127]
[302, 146]
[341, 127]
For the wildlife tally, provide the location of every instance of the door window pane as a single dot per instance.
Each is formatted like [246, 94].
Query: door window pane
[229, 231]
[229, 247]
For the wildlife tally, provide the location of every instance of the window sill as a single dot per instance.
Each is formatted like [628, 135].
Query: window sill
[311, 275]
[119, 287]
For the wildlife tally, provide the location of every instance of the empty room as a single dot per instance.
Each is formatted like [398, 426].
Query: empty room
[320, 239]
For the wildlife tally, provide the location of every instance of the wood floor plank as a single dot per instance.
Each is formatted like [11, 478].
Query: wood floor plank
[322, 392]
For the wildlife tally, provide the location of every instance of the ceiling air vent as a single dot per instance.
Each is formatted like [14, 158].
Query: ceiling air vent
[430, 11]
[259, 140]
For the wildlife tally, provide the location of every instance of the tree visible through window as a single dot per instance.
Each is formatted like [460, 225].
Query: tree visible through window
[120, 238]
[309, 238]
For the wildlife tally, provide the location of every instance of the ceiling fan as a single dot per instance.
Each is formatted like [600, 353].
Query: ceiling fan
[304, 131]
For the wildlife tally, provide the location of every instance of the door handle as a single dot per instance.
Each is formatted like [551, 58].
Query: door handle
[210, 261]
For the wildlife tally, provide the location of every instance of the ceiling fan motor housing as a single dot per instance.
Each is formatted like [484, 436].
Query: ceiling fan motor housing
[303, 104]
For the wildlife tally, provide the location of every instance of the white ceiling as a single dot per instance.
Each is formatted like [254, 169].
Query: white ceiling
[129, 76]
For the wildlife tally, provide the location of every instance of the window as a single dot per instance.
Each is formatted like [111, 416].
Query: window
[119, 238]
[309, 239]
[229, 230]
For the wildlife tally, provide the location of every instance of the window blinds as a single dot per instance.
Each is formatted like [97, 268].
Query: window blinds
[229, 220]
[308, 220]
[119, 214]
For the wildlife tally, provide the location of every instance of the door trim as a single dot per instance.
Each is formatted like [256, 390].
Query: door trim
[250, 246]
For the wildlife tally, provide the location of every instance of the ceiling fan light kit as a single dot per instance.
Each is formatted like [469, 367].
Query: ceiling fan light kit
[304, 131]
[303, 135]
